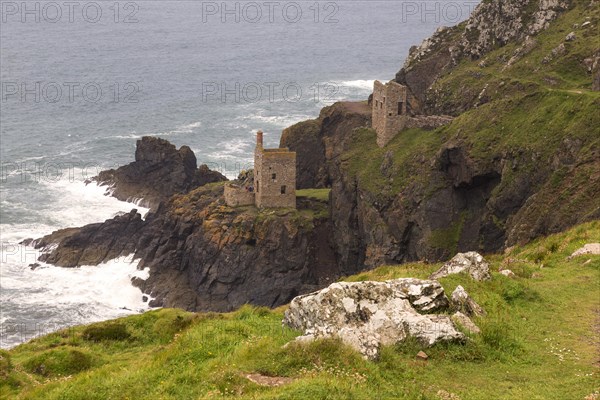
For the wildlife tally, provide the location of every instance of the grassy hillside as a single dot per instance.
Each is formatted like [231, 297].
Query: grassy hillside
[539, 341]
[546, 61]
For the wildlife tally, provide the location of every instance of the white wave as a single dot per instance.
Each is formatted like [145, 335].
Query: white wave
[80, 203]
[64, 297]
[363, 84]
[235, 148]
[54, 295]
[278, 122]
[186, 128]
[132, 135]
[189, 127]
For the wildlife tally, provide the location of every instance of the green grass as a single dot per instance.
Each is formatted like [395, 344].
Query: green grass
[315, 194]
[537, 342]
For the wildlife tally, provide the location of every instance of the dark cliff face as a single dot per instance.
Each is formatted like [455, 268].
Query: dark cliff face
[158, 172]
[227, 257]
[317, 142]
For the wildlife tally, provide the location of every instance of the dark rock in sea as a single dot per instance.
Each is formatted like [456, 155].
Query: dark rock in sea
[158, 172]
[94, 243]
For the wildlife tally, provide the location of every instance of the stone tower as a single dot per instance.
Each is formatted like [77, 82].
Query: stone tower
[274, 176]
[392, 106]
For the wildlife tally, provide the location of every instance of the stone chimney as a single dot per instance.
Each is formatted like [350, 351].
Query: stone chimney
[259, 139]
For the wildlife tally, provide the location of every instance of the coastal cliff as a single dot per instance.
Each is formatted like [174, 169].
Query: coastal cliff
[520, 160]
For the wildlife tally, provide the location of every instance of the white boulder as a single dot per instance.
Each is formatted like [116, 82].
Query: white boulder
[472, 263]
[366, 315]
[590, 248]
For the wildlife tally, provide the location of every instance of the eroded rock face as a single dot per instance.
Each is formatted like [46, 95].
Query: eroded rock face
[158, 172]
[319, 140]
[205, 256]
[472, 263]
[93, 243]
[367, 315]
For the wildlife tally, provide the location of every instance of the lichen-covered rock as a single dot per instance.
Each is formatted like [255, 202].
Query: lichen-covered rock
[472, 263]
[464, 303]
[366, 315]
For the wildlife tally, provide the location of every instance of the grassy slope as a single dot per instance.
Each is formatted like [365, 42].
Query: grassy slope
[538, 342]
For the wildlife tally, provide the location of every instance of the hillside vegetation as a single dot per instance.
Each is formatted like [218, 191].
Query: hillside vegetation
[539, 341]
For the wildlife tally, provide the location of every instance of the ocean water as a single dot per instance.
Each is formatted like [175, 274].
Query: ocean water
[81, 83]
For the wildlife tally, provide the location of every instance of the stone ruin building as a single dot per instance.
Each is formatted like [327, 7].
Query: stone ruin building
[395, 108]
[274, 181]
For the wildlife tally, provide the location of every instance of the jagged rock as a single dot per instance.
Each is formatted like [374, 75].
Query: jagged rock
[158, 172]
[571, 37]
[421, 355]
[590, 248]
[466, 322]
[472, 263]
[366, 315]
[508, 273]
[91, 244]
[464, 303]
[492, 24]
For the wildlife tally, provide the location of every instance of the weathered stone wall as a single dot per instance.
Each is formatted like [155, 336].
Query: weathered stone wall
[378, 111]
[236, 196]
[395, 109]
[275, 178]
[392, 106]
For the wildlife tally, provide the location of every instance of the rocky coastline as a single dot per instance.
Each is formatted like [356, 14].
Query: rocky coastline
[502, 173]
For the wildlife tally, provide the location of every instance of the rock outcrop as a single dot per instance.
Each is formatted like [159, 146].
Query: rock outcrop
[92, 244]
[318, 142]
[466, 322]
[471, 263]
[463, 303]
[158, 172]
[367, 315]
